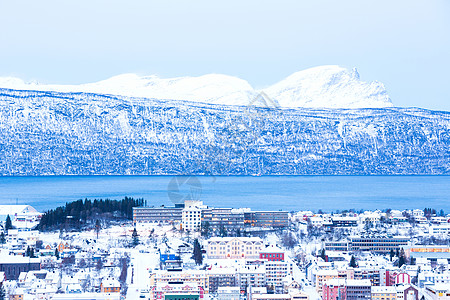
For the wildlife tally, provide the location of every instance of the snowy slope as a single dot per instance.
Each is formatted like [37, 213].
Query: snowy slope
[54, 133]
[327, 86]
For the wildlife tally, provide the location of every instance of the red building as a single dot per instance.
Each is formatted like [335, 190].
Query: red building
[334, 289]
[272, 253]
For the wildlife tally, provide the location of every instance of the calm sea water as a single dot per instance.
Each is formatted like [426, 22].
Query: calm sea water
[291, 193]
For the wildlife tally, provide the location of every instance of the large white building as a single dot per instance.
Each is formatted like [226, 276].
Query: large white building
[191, 215]
[234, 247]
[22, 216]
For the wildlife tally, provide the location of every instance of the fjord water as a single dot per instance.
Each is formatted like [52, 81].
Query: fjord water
[291, 193]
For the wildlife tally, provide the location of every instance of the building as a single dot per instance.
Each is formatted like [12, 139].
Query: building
[195, 277]
[221, 277]
[12, 266]
[191, 215]
[223, 219]
[441, 229]
[234, 247]
[276, 271]
[271, 219]
[350, 289]
[177, 291]
[20, 213]
[377, 244]
[252, 276]
[374, 275]
[228, 293]
[323, 276]
[358, 289]
[438, 292]
[344, 221]
[337, 246]
[384, 293]
[431, 253]
[110, 285]
[168, 215]
[272, 253]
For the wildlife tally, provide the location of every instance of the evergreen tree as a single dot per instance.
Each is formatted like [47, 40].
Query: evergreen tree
[28, 252]
[401, 261]
[323, 255]
[353, 263]
[135, 237]
[2, 292]
[197, 254]
[391, 254]
[98, 226]
[57, 253]
[222, 231]
[205, 229]
[2, 238]
[8, 223]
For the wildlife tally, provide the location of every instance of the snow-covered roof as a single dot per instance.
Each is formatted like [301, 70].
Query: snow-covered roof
[272, 249]
[16, 209]
[383, 290]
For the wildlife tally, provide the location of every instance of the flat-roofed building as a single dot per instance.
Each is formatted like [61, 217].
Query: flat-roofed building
[223, 218]
[157, 214]
[383, 293]
[377, 244]
[272, 219]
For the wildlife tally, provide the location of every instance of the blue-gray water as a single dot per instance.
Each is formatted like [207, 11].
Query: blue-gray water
[292, 193]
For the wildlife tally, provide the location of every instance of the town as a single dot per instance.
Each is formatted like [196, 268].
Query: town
[193, 251]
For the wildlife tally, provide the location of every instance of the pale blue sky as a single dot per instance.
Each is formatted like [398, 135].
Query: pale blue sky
[404, 44]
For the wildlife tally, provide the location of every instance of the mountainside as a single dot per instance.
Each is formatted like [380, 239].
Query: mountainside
[325, 86]
[78, 133]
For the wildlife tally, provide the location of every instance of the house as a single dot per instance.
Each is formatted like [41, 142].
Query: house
[110, 285]
[272, 253]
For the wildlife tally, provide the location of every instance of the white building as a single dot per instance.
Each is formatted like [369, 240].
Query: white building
[191, 215]
[252, 275]
[276, 271]
[234, 247]
[228, 293]
[442, 229]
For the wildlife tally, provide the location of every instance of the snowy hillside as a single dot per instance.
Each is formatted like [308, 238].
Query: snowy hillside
[327, 86]
[78, 133]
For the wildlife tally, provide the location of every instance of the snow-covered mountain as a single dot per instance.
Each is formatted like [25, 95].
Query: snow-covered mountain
[326, 86]
[78, 133]
[329, 86]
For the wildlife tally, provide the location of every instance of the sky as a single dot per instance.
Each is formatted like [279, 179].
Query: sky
[404, 44]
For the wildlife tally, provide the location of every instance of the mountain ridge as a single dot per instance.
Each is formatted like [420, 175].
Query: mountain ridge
[324, 86]
[54, 133]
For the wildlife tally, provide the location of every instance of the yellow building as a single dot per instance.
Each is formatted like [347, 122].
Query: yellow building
[322, 276]
[384, 293]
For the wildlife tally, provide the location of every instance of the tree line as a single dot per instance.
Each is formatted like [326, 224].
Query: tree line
[82, 212]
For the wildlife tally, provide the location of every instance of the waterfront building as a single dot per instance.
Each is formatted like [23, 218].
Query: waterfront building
[267, 219]
[227, 219]
[191, 216]
[157, 215]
